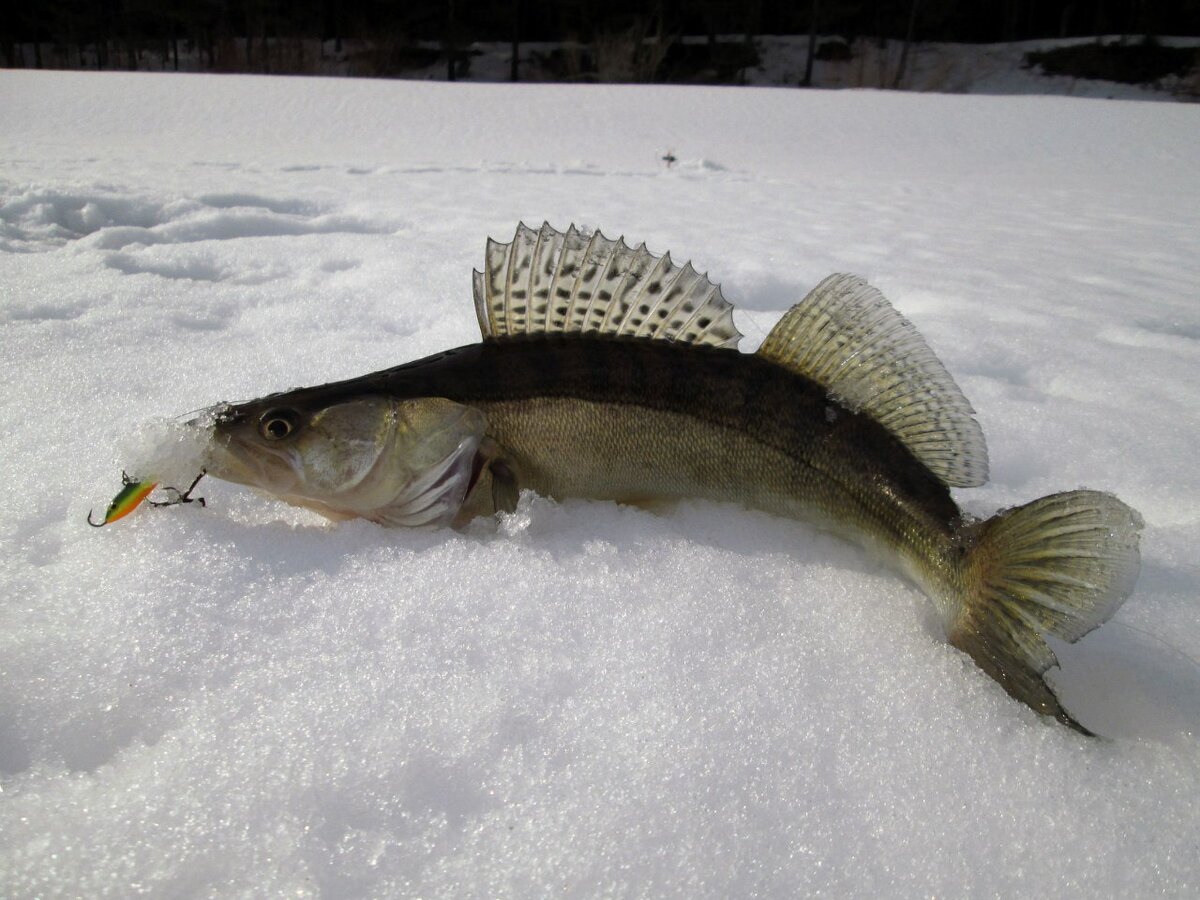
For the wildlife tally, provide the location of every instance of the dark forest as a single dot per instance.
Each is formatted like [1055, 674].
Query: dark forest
[390, 37]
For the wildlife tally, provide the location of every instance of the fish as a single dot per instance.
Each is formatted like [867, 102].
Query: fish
[612, 373]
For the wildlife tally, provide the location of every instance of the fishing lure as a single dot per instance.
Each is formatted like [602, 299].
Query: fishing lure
[134, 492]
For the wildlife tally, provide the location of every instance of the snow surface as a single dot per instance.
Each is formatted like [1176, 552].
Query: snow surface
[584, 700]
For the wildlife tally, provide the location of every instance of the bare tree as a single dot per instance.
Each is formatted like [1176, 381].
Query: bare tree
[37, 38]
[812, 43]
[631, 55]
[908, 39]
[449, 42]
[514, 71]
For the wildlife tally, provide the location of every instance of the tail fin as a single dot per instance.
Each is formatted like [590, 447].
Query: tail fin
[1060, 565]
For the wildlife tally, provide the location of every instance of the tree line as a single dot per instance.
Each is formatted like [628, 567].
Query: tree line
[389, 37]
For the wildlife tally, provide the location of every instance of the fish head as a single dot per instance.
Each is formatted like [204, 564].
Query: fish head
[394, 461]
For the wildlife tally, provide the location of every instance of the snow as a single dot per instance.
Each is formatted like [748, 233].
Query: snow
[244, 700]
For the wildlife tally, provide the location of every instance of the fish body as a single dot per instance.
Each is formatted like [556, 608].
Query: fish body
[609, 373]
[643, 421]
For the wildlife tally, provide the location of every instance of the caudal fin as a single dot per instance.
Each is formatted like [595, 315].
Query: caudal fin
[1060, 565]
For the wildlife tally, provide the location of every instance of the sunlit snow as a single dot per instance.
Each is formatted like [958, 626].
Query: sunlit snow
[583, 699]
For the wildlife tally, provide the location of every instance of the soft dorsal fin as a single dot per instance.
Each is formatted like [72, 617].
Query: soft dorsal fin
[846, 336]
[548, 282]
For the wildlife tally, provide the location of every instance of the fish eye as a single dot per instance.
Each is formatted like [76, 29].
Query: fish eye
[276, 424]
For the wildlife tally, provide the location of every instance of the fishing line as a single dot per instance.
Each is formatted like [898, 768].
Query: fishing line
[1160, 640]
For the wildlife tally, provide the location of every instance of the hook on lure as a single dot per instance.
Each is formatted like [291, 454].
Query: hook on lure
[135, 491]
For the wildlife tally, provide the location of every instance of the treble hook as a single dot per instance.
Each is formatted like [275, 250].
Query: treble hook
[185, 497]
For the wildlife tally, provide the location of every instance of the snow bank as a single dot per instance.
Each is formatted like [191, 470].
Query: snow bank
[583, 699]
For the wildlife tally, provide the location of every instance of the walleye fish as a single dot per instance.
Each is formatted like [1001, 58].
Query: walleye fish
[611, 373]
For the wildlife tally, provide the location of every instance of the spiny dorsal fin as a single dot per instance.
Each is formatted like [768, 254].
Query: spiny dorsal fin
[847, 337]
[547, 282]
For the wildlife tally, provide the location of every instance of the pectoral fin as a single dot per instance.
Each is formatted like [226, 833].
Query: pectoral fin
[505, 489]
[495, 484]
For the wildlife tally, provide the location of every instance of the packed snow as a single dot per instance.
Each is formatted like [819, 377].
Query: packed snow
[580, 699]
